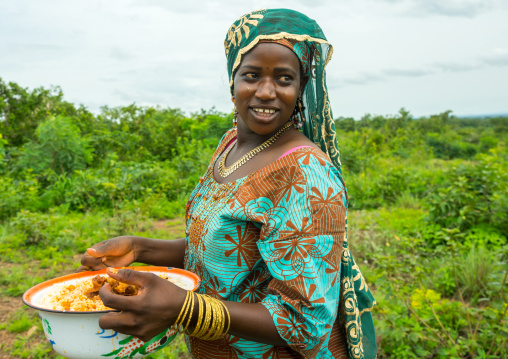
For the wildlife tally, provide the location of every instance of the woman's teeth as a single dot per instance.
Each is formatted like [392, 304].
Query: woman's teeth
[264, 110]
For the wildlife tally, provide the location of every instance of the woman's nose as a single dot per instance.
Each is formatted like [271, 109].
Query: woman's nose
[266, 90]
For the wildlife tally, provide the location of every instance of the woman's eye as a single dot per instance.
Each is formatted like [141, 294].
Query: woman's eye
[285, 78]
[250, 75]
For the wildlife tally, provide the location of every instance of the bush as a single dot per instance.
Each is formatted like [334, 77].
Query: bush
[472, 194]
[59, 147]
[18, 194]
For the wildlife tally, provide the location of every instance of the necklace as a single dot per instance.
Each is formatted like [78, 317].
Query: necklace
[226, 171]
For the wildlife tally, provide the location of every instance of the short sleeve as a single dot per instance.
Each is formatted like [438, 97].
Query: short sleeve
[301, 244]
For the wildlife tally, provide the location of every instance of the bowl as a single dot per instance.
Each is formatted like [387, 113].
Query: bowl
[75, 334]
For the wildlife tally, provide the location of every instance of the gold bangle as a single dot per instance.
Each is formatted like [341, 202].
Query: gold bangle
[224, 310]
[200, 316]
[189, 318]
[208, 315]
[189, 306]
[211, 318]
[217, 327]
[177, 322]
[215, 322]
[229, 318]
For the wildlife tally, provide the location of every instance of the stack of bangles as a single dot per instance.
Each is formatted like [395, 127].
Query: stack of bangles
[211, 317]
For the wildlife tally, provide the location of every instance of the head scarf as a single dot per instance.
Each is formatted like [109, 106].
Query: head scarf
[304, 36]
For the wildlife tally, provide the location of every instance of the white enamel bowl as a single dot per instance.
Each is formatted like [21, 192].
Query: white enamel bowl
[78, 335]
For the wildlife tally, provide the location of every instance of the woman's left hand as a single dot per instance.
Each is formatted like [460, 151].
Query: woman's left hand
[145, 315]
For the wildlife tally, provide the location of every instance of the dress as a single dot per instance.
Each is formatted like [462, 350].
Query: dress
[275, 237]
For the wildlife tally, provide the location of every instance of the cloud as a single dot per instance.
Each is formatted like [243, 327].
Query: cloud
[181, 7]
[454, 8]
[407, 72]
[496, 60]
[111, 79]
[314, 3]
[455, 67]
[449, 8]
[119, 54]
[34, 51]
[357, 79]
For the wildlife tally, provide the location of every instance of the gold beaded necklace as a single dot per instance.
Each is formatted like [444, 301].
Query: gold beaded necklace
[226, 171]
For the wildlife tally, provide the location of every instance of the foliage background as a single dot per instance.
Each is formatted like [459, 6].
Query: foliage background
[427, 223]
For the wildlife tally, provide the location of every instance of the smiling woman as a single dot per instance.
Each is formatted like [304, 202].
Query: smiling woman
[266, 87]
[266, 224]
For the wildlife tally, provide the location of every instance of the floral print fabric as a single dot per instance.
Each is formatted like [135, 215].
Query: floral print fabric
[274, 237]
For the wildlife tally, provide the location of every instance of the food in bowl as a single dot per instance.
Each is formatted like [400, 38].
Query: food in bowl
[82, 295]
[77, 334]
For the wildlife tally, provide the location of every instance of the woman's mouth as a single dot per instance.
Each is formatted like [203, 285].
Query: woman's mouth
[264, 113]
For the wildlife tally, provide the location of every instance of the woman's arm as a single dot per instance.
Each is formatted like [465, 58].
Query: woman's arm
[124, 250]
[161, 252]
[252, 321]
[159, 302]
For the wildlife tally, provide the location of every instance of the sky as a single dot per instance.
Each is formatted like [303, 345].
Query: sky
[428, 56]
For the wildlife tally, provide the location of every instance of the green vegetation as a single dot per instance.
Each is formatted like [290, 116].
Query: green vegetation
[427, 222]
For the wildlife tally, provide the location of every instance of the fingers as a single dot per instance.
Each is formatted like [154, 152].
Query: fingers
[122, 322]
[119, 302]
[130, 276]
[92, 263]
[100, 249]
[127, 323]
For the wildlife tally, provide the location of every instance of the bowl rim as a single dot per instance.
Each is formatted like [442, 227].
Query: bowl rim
[30, 293]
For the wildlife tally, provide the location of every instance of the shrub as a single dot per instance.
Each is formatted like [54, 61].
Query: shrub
[59, 147]
[16, 194]
[473, 194]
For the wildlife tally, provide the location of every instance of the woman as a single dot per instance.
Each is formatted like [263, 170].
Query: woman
[266, 225]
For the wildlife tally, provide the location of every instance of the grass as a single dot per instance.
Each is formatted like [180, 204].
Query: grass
[25, 264]
[477, 271]
[389, 244]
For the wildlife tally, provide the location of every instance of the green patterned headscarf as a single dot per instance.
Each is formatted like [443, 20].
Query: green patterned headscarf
[310, 45]
[276, 24]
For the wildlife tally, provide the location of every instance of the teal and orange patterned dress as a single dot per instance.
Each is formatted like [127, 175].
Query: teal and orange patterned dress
[274, 237]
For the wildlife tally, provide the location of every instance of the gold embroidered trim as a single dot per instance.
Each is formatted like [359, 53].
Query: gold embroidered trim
[280, 35]
[368, 309]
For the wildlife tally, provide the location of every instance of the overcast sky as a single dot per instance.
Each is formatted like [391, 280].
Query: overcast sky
[428, 56]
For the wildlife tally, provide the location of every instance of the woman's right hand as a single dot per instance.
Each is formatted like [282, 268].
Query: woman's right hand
[114, 252]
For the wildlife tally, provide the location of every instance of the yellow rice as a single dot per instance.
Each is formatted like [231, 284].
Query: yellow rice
[72, 296]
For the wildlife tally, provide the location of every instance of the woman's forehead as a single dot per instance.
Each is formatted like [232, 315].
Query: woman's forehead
[271, 53]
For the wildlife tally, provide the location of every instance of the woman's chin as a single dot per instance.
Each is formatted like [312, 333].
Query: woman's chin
[264, 125]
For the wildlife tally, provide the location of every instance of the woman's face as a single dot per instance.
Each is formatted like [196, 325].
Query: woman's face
[266, 87]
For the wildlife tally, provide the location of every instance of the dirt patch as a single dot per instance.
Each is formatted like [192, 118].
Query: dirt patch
[11, 305]
[8, 305]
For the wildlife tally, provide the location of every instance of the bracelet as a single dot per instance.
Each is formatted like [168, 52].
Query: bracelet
[190, 314]
[183, 310]
[201, 333]
[217, 327]
[200, 316]
[211, 319]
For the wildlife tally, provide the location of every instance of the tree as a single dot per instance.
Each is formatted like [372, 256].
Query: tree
[59, 146]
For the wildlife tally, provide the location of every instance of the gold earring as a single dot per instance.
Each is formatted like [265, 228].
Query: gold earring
[235, 116]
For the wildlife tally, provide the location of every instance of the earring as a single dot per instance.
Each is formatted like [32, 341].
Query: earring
[301, 107]
[297, 116]
[235, 121]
